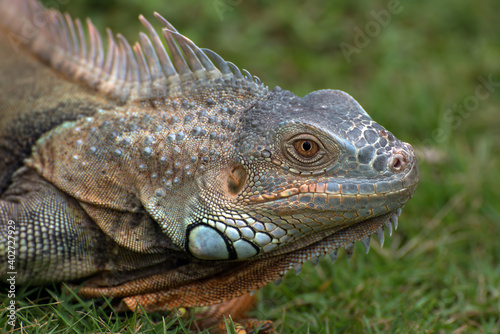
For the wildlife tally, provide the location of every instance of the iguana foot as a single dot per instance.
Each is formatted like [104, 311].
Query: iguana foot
[219, 316]
[245, 326]
[216, 317]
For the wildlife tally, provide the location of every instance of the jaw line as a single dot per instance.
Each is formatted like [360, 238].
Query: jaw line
[326, 241]
[270, 198]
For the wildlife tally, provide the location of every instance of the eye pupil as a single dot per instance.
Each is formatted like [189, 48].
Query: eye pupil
[306, 146]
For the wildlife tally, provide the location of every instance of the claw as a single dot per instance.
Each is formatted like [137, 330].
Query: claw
[349, 250]
[380, 236]
[366, 243]
[388, 225]
[298, 269]
[398, 211]
[315, 261]
[333, 255]
[394, 220]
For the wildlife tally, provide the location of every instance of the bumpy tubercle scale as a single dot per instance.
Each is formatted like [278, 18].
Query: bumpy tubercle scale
[160, 153]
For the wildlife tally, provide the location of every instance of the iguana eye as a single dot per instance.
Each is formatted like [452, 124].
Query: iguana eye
[306, 148]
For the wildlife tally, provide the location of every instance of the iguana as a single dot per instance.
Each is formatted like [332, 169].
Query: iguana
[162, 175]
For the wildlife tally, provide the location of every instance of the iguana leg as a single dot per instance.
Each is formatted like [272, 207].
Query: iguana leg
[53, 238]
[218, 315]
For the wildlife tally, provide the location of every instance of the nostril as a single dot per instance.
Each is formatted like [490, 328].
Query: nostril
[397, 163]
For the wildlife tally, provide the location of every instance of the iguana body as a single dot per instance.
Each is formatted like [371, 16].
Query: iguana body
[168, 181]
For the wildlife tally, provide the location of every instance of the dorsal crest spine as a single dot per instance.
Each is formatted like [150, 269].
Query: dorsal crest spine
[146, 70]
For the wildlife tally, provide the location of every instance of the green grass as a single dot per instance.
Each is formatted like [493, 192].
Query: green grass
[440, 272]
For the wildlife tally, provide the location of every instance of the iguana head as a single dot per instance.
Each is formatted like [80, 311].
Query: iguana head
[300, 166]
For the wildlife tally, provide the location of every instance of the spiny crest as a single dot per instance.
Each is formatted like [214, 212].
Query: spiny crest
[129, 73]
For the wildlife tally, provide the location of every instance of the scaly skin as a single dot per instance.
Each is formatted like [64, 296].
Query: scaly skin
[168, 181]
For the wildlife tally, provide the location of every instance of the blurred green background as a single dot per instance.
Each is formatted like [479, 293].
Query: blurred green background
[428, 71]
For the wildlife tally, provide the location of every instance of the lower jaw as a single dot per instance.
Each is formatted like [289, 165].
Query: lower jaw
[326, 242]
